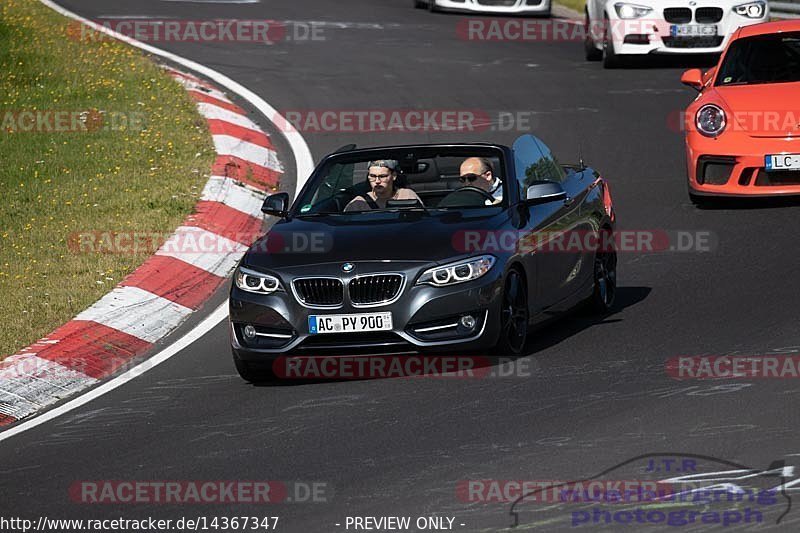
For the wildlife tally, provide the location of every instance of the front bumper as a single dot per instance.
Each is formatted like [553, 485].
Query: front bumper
[519, 7]
[421, 317]
[652, 34]
[733, 165]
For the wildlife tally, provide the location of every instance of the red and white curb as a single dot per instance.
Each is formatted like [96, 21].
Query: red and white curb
[161, 294]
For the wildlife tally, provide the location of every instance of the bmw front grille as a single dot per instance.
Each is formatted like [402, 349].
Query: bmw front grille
[375, 289]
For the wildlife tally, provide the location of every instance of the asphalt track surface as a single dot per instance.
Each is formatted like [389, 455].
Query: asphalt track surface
[597, 394]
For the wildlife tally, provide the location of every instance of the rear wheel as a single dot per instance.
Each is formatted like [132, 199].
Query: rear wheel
[605, 276]
[514, 315]
[419, 4]
[592, 53]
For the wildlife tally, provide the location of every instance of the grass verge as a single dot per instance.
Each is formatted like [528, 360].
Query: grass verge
[134, 160]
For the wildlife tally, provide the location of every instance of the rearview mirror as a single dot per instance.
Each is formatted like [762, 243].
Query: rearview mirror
[693, 78]
[276, 204]
[545, 191]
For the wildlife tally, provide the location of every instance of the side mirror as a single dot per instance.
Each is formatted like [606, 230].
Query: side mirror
[276, 204]
[693, 78]
[545, 191]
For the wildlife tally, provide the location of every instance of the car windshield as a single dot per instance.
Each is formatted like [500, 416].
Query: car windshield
[423, 179]
[771, 58]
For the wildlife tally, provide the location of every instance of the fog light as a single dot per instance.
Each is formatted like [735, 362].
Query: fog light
[468, 321]
[249, 332]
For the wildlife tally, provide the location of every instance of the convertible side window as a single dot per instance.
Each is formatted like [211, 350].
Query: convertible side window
[535, 163]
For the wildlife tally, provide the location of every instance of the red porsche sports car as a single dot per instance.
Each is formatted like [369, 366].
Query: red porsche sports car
[743, 130]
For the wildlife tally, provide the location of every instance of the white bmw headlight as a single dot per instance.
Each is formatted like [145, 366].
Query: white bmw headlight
[631, 11]
[710, 120]
[256, 282]
[753, 10]
[459, 272]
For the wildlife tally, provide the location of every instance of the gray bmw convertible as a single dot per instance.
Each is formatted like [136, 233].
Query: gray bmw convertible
[425, 248]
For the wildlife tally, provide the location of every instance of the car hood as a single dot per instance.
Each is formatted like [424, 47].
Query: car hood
[763, 110]
[381, 236]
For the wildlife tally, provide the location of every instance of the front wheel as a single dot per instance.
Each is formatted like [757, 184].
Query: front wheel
[610, 57]
[251, 373]
[591, 51]
[514, 316]
[700, 201]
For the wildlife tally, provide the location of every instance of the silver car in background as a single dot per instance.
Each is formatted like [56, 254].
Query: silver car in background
[539, 8]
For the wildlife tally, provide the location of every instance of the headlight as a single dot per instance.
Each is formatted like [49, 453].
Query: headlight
[710, 120]
[257, 282]
[460, 272]
[753, 10]
[631, 11]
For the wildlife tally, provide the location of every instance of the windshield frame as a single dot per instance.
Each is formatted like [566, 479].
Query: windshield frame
[404, 154]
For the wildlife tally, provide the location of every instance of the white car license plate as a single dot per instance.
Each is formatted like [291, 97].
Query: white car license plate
[349, 323]
[693, 30]
[782, 162]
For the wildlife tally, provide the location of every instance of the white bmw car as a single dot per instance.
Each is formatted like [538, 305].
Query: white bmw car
[539, 8]
[616, 29]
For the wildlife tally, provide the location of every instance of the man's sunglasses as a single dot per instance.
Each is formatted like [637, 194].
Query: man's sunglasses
[469, 177]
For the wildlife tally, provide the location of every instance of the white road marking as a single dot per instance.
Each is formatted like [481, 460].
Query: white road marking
[30, 383]
[203, 249]
[137, 312]
[258, 155]
[226, 191]
[213, 112]
[194, 86]
[217, 316]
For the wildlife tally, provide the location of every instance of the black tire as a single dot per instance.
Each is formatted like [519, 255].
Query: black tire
[419, 4]
[610, 57]
[252, 373]
[591, 51]
[701, 201]
[514, 316]
[605, 277]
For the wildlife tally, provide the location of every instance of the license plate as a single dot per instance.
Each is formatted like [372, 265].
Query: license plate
[693, 30]
[318, 324]
[782, 162]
